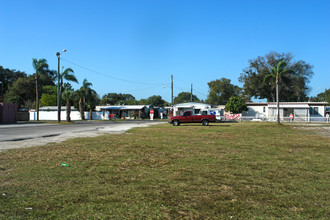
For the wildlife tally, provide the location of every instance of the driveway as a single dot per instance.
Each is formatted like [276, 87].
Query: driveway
[35, 134]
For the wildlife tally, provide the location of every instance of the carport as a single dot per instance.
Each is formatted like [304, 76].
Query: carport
[127, 112]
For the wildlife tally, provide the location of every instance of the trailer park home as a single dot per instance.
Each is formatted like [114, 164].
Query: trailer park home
[179, 108]
[124, 111]
[301, 111]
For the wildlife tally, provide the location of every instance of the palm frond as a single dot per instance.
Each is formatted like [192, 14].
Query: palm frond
[269, 77]
[68, 74]
[281, 65]
[68, 70]
[86, 84]
[71, 78]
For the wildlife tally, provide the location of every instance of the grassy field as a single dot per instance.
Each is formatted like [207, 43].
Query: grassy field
[222, 171]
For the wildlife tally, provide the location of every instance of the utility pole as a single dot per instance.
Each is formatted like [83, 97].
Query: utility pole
[58, 54]
[37, 95]
[172, 91]
[191, 95]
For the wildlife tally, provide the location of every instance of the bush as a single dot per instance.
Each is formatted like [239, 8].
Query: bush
[236, 105]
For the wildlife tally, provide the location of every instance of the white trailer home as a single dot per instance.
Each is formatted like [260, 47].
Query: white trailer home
[301, 111]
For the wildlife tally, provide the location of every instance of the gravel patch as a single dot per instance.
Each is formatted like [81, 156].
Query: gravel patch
[317, 129]
[39, 141]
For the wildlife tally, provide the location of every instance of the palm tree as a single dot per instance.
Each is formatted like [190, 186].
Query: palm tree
[278, 72]
[41, 68]
[68, 75]
[83, 92]
[93, 100]
[68, 96]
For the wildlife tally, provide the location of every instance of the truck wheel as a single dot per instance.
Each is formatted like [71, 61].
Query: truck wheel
[176, 123]
[205, 122]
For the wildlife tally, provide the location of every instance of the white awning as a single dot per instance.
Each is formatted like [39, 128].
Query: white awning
[133, 107]
[289, 106]
[123, 107]
[186, 106]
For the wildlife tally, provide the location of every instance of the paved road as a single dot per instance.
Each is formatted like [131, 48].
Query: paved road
[34, 134]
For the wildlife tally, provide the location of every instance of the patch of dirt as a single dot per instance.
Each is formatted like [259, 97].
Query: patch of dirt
[320, 130]
[39, 141]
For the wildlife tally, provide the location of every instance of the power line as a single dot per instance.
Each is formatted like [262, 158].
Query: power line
[193, 89]
[110, 76]
[143, 89]
[200, 92]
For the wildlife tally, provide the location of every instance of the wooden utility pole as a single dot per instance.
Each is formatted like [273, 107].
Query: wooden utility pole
[172, 91]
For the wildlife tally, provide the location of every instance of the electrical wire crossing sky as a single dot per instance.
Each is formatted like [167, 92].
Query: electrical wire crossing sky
[135, 46]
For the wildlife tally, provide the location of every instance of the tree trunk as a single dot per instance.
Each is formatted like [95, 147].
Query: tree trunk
[90, 114]
[59, 103]
[68, 111]
[81, 109]
[278, 101]
[37, 97]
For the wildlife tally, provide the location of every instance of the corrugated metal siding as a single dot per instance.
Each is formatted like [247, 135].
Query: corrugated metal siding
[1, 115]
[8, 113]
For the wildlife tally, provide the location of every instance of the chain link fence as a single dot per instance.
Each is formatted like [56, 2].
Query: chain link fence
[286, 119]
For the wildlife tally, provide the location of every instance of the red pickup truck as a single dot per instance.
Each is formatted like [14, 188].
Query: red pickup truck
[189, 117]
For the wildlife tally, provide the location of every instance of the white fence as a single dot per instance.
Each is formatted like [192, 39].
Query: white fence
[74, 115]
[286, 119]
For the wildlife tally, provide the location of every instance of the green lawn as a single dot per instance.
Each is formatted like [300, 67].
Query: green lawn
[222, 171]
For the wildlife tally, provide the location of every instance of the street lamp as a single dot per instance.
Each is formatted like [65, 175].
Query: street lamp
[171, 93]
[58, 54]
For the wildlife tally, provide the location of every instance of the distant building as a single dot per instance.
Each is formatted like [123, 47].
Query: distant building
[124, 111]
[301, 111]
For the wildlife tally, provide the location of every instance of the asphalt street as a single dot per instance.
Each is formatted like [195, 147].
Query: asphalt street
[34, 134]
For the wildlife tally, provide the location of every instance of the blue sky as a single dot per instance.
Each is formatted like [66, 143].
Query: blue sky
[134, 46]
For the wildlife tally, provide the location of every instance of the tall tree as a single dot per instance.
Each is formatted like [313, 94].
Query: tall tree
[185, 97]
[41, 68]
[68, 96]
[83, 93]
[92, 101]
[276, 73]
[21, 92]
[68, 75]
[7, 78]
[291, 89]
[118, 99]
[221, 90]
[156, 100]
[143, 102]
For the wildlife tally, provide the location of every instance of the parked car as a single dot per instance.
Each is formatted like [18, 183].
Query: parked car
[205, 117]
